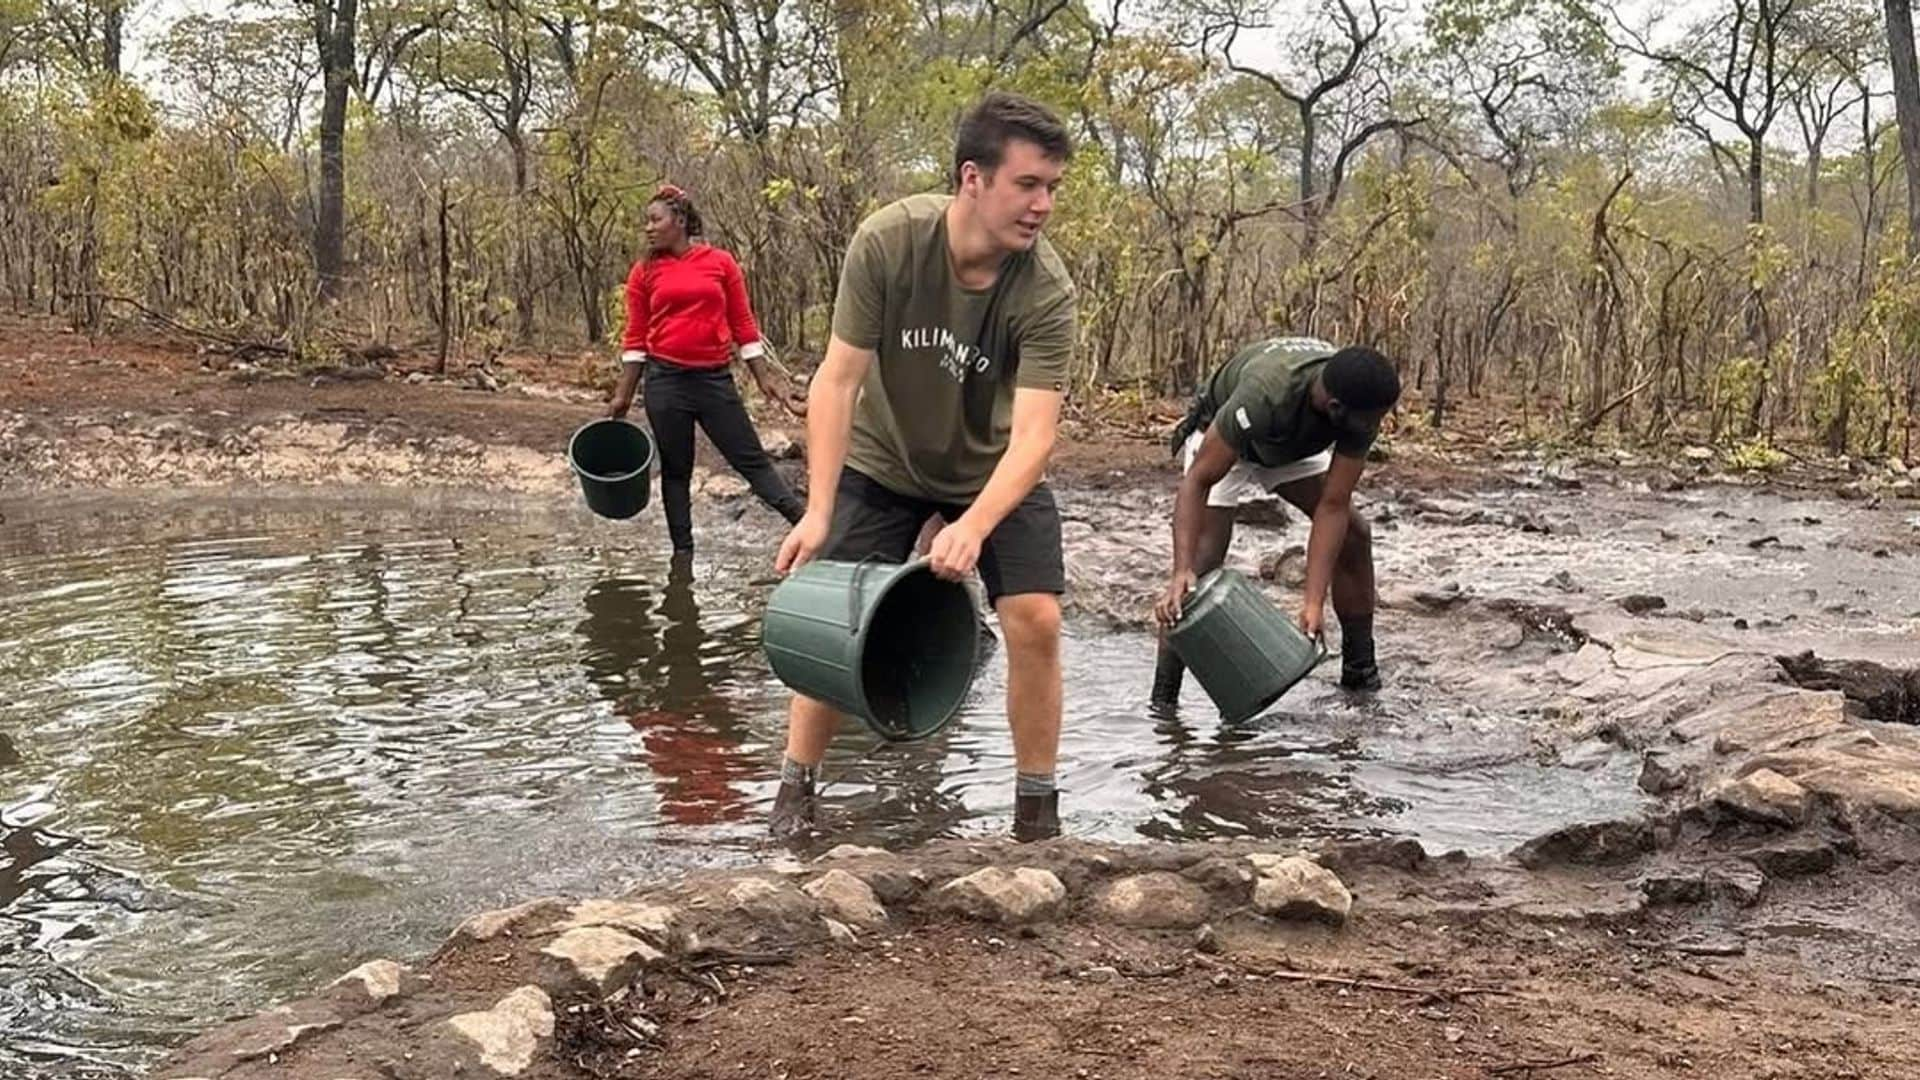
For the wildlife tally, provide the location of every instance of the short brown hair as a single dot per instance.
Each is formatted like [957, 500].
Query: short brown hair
[1000, 117]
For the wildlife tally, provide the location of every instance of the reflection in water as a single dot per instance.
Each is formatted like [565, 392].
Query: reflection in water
[646, 651]
[1234, 783]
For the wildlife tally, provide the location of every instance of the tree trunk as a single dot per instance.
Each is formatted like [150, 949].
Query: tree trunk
[334, 32]
[113, 30]
[446, 286]
[1906, 103]
[1309, 211]
[1756, 181]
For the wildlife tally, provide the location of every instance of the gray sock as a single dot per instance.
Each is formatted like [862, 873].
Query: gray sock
[792, 772]
[1033, 784]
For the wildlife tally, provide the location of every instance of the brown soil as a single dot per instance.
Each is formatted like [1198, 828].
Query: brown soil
[952, 1000]
[48, 370]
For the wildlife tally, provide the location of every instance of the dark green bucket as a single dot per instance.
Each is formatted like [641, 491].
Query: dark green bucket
[1244, 651]
[889, 643]
[614, 460]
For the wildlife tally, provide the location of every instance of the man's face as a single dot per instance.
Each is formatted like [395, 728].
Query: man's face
[1353, 421]
[1013, 201]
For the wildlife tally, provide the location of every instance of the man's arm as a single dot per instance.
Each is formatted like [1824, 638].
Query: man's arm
[1330, 520]
[1036, 427]
[1210, 466]
[830, 401]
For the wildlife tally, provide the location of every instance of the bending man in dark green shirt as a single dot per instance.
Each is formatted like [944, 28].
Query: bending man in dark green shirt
[1294, 417]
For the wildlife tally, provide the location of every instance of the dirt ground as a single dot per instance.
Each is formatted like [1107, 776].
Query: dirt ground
[950, 1001]
[537, 400]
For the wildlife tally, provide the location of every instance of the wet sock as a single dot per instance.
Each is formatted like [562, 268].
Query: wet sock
[1356, 642]
[792, 772]
[1033, 784]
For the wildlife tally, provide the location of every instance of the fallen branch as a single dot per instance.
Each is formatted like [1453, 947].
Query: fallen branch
[1372, 984]
[1537, 1066]
[236, 344]
[725, 958]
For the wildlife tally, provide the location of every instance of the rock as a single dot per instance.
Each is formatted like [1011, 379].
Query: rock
[1667, 481]
[594, 959]
[1268, 513]
[1741, 883]
[1563, 474]
[1795, 857]
[505, 1039]
[263, 1036]
[1446, 596]
[1660, 774]
[849, 898]
[1563, 581]
[418, 377]
[368, 987]
[852, 851]
[724, 485]
[1287, 567]
[1227, 877]
[653, 922]
[841, 933]
[1763, 796]
[780, 446]
[1402, 853]
[1674, 888]
[1697, 453]
[1641, 603]
[1296, 887]
[1155, 901]
[491, 924]
[1007, 896]
[1100, 974]
[1588, 844]
[1205, 940]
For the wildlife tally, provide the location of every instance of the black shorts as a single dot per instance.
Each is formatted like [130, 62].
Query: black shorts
[1021, 555]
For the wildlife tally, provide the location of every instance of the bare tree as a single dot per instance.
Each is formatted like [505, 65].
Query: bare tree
[1906, 104]
[1736, 67]
[1340, 83]
[333, 35]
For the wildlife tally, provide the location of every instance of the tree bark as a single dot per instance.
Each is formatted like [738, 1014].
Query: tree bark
[1906, 103]
[333, 23]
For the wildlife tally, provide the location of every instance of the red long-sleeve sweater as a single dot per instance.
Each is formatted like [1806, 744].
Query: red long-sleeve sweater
[689, 309]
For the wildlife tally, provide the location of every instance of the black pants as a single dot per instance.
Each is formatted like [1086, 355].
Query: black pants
[677, 398]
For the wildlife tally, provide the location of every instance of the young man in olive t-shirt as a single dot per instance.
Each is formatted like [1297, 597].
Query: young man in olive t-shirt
[940, 394]
[1293, 416]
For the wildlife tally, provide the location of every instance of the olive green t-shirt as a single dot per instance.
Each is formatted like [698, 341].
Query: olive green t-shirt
[1262, 405]
[937, 406]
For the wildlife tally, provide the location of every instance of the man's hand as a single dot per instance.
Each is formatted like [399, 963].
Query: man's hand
[809, 535]
[619, 407]
[1174, 600]
[1313, 618]
[956, 550]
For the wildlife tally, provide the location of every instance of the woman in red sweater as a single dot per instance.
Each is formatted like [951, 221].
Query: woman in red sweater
[687, 313]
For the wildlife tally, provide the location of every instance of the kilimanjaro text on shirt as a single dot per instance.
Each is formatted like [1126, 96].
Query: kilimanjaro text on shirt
[956, 356]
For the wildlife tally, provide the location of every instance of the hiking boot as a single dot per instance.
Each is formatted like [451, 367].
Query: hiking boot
[1036, 817]
[1365, 680]
[793, 811]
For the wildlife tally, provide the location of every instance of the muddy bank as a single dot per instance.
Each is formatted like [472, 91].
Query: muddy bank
[1078, 959]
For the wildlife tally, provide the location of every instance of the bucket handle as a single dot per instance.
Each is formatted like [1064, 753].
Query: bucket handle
[856, 587]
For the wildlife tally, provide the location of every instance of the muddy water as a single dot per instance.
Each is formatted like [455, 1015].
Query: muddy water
[251, 741]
